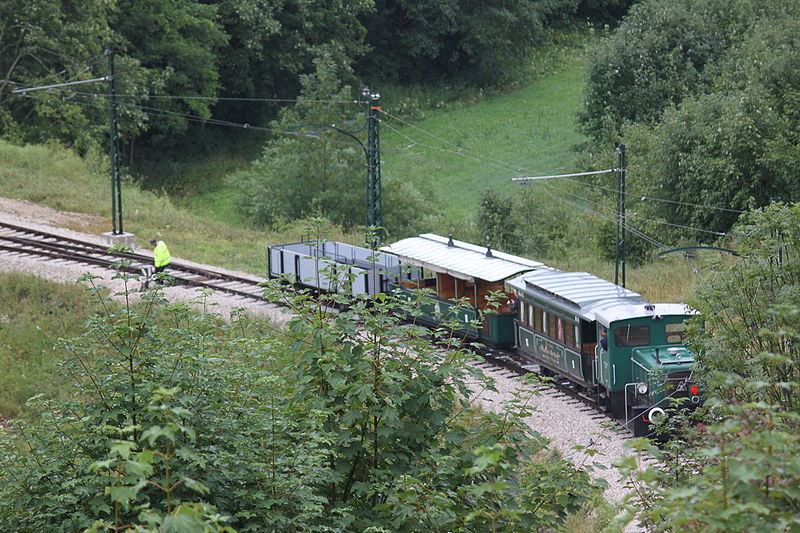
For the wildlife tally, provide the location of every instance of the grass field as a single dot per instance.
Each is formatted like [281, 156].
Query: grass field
[34, 314]
[526, 132]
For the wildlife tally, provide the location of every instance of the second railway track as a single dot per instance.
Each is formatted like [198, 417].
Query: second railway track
[19, 240]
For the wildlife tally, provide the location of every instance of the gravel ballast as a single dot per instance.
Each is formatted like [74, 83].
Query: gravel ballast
[565, 423]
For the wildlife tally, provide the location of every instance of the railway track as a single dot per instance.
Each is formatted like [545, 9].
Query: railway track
[562, 389]
[18, 240]
[586, 422]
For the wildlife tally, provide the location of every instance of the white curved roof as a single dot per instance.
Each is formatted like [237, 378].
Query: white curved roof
[577, 292]
[609, 314]
[590, 297]
[459, 259]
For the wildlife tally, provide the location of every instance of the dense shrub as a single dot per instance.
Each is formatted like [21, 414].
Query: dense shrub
[342, 422]
[737, 469]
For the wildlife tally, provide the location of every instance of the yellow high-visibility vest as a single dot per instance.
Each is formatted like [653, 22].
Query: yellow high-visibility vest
[161, 255]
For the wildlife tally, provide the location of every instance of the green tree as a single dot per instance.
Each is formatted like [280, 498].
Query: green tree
[734, 147]
[45, 42]
[496, 222]
[311, 169]
[160, 47]
[315, 166]
[658, 56]
[273, 42]
[749, 309]
[485, 43]
[177, 42]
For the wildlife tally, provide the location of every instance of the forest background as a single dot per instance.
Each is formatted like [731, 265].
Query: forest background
[221, 109]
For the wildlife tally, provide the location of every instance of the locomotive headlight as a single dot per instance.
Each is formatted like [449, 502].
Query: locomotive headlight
[654, 414]
[641, 388]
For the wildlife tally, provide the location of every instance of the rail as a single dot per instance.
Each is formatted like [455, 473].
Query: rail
[21, 240]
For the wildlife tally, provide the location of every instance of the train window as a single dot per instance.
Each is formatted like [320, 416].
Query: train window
[560, 329]
[570, 334]
[551, 325]
[631, 335]
[676, 333]
[539, 319]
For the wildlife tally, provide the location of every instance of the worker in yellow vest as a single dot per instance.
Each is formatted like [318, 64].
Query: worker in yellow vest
[161, 257]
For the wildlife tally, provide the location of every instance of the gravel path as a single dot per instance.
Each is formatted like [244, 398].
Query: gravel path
[565, 423]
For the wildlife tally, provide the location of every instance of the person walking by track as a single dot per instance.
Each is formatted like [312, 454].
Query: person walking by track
[161, 257]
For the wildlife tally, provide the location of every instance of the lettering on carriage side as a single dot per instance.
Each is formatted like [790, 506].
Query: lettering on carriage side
[550, 351]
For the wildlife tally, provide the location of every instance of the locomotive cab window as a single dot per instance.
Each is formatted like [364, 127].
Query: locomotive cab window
[631, 335]
[676, 333]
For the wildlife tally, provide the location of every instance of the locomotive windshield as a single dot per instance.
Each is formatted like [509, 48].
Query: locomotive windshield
[630, 335]
[675, 333]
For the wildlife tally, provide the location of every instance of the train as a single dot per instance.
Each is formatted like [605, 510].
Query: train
[625, 354]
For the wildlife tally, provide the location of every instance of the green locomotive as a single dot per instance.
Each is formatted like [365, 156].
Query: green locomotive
[627, 354]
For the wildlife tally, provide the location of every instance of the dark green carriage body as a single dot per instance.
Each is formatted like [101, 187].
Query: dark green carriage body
[462, 319]
[434, 312]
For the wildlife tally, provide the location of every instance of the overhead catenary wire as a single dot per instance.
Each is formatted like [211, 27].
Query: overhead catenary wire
[527, 179]
[87, 66]
[554, 176]
[227, 98]
[460, 149]
[459, 153]
[161, 112]
[318, 134]
[635, 196]
[609, 217]
[585, 173]
[310, 133]
[58, 85]
[568, 175]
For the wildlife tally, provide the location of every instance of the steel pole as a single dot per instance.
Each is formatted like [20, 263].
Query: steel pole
[374, 200]
[620, 244]
[116, 183]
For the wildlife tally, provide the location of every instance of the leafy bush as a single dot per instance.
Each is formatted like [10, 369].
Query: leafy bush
[704, 93]
[737, 470]
[344, 422]
[657, 57]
